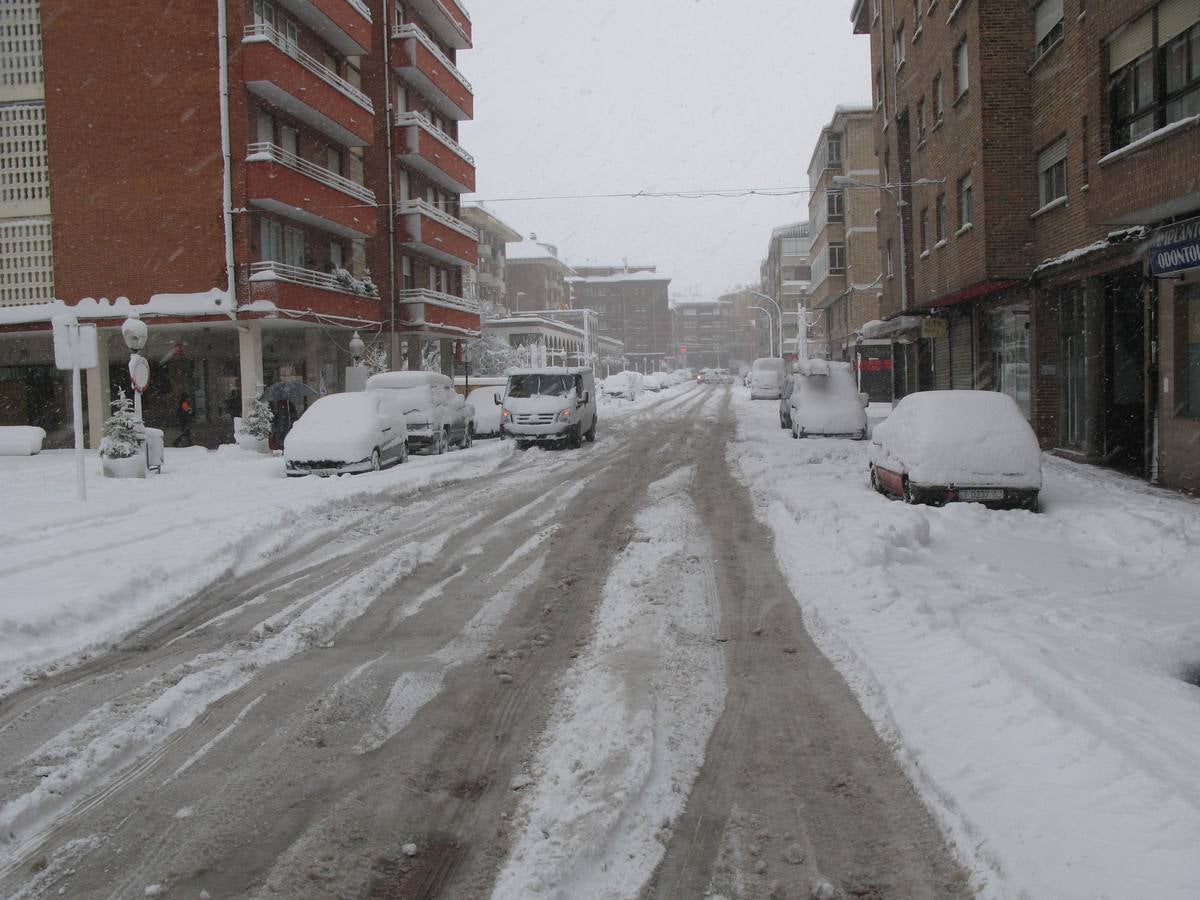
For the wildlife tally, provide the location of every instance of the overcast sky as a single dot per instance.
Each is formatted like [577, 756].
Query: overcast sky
[617, 96]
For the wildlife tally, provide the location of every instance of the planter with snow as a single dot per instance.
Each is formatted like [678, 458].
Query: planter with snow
[122, 454]
[123, 466]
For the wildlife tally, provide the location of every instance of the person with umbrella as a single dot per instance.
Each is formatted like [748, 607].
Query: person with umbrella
[185, 413]
[281, 395]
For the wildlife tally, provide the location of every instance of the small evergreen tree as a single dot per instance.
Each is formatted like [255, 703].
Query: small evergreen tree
[258, 423]
[121, 430]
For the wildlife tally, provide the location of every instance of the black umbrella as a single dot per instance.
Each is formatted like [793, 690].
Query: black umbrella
[291, 391]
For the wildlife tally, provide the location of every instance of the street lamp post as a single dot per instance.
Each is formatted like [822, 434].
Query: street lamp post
[778, 309]
[770, 325]
[845, 181]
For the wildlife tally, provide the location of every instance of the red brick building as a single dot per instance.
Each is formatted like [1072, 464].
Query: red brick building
[235, 185]
[633, 306]
[535, 278]
[1037, 153]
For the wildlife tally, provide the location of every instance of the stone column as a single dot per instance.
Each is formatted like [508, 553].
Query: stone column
[99, 392]
[250, 358]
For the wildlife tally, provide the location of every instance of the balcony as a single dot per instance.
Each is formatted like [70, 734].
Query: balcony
[448, 19]
[421, 62]
[427, 311]
[294, 289]
[434, 154]
[284, 75]
[285, 184]
[343, 24]
[429, 230]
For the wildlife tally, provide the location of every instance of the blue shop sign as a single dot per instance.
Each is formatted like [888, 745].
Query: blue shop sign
[1175, 248]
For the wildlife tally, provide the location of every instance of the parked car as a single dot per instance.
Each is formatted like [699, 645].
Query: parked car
[824, 401]
[551, 405]
[339, 433]
[942, 446]
[487, 410]
[766, 378]
[436, 416]
[653, 382]
[627, 385]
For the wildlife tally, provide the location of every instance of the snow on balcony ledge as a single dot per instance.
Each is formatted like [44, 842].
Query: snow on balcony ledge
[206, 303]
[1153, 137]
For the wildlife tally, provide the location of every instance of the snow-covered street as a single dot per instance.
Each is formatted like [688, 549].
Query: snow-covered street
[697, 658]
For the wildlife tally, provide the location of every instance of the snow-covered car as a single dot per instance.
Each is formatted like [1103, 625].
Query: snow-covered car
[355, 432]
[626, 385]
[487, 410]
[436, 415]
[766, 378]
[941, 446]
[824, 401]
[653, 382]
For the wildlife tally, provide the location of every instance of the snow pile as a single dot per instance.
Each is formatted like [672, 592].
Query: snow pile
[21, 440]
[1031, 670]
[76, 576]
[959, 437]
[627, 737]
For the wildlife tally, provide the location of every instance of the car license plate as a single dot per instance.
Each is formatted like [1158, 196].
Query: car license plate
[980, 494]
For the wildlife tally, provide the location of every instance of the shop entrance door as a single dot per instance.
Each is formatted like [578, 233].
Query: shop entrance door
[1124, 409]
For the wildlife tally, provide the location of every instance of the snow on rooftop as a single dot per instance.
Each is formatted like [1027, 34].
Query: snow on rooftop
[530, 250]
[621, 277]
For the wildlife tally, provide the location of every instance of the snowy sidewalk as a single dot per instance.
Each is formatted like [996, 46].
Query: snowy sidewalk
[1032, 669]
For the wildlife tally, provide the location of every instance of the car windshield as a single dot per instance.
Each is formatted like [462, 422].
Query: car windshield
[540, 385]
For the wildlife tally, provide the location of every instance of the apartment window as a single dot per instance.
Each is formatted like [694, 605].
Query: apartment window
[406, 273]
[271, 240]
[943, 218]
[925, 230]
[794, 247]
[21, 48]
[1048, 24]
[333, 160]
[1154, 71]
[887, 260]
[962, 74]
[835, 206]
[24, 159]
[917, 23]
[966, 210]
[837, 259]
[939, 108]
[337, 257]
[921, 128]
[1052, 172]
[265, 13]
[26, 261]
[289, 139]
[898, 47]
[293, 247]
[833, 145]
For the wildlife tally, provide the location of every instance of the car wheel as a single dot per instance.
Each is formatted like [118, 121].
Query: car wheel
[876, 483]
[574, 438]
[783, 423]
[795, 433]
[909, 496]
[468, 437]
[375, 461]
[522, 445]
[403, 457]
[591, 432]
[444, 442]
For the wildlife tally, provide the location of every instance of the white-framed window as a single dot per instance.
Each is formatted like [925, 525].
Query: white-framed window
[962, 69]
[898, 46]
[406, 273]
[1052, 172]
[833, 145]
[943, 218]
[271, 240]
[293, 246]
[966, 204]
[887, 260]
[837, 259]
[835, 206]
[1048, 24]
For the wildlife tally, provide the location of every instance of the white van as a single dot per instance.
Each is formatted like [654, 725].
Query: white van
[435, 414]
[551, 405]
[766, 378]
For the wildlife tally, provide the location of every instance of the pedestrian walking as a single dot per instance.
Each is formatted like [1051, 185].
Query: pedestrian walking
[185, 414]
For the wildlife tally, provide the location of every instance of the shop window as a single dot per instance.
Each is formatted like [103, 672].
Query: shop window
[1189, 378]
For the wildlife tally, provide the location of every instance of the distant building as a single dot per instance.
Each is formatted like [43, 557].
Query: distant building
[486, 282]
[535, 277]
[632, 307]
[704, 333]
[750, 333]
[786, 275]
[845, 248]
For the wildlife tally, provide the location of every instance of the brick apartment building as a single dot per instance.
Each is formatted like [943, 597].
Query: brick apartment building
[1047, 243]
[704, 333]
[786, 276]
[632, 305]
[238, 186]
[535, 278]
[845, 249]
[750, 334]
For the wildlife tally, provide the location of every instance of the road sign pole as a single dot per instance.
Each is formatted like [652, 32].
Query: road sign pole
[77, 403]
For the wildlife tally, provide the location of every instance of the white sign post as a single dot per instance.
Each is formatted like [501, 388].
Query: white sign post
[75, 348]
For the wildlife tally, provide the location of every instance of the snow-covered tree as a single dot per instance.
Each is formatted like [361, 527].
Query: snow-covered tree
[375, 358]
[121, 430]
[492, 355]
[258, 422]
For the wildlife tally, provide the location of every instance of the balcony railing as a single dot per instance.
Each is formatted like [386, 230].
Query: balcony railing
[436, 298]
[412, 31]
[269, 270]
[263, 32]
[425, 208]
[362, 8]
[267, 152]
[414, 118]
